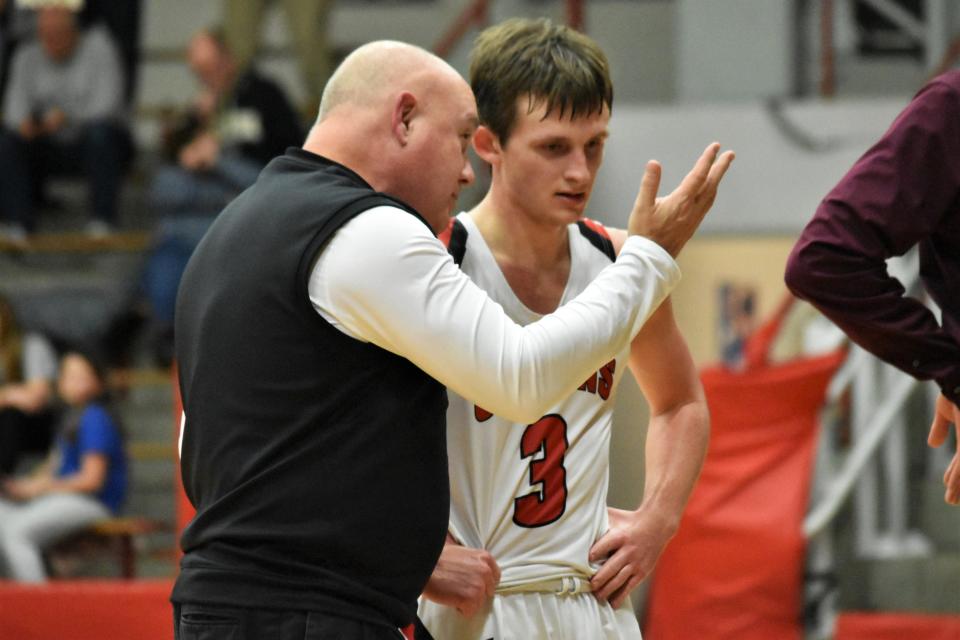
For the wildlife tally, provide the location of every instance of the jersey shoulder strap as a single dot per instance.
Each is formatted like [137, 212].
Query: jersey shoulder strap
[454, 238]
[598, 237]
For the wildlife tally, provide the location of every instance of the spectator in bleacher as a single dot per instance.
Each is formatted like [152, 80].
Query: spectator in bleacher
[238, 122]
[307, 23]
[237, 109]
[63, 112]
[83, 481]
[28, 371]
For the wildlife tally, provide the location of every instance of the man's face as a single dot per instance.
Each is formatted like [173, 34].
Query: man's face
[57, 31]
[438, 150]
[548, 166]
[206, 61]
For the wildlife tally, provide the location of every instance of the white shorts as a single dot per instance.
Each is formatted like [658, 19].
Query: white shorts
[534, 616]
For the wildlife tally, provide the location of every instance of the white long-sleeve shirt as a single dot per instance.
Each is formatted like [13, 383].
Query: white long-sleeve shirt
[384, 278]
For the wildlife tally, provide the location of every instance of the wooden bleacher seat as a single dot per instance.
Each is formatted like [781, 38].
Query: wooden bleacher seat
[113, 534]
[77, 242]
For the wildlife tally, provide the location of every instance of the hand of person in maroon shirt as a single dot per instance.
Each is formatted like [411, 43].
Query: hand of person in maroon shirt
[464, 578]
[945, 413]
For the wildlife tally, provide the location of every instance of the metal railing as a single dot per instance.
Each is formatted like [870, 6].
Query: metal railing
[872, 399]
[870, 429]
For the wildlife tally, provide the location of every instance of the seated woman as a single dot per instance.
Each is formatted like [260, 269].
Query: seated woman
[28, 372]
[84, 480]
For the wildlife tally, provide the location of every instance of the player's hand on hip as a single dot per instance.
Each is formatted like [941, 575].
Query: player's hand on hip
[464, 578]
[945, 413]
[628, 551]
[671, 220]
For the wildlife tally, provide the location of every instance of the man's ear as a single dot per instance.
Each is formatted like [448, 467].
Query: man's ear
[486, 144]
[403, 110]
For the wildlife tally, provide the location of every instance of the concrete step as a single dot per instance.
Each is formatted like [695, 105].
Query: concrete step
[67, 294]
[939, 521]
[924, 585]
[152, 423]
[146, 409]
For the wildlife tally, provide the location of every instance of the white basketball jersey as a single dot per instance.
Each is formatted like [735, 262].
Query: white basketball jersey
[534, 495]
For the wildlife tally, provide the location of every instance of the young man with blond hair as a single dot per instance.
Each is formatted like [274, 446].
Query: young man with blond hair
[533, 552]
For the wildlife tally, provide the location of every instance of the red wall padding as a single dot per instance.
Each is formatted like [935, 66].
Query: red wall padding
[897, 626]
[87, 610]
[734, 569]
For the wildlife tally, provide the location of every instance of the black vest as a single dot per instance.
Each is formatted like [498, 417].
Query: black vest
[317, 462]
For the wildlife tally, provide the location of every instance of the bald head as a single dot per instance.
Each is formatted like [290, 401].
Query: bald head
[375, 71]
[402, 119]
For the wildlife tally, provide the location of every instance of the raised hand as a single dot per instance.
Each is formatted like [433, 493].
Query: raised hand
[671, 220]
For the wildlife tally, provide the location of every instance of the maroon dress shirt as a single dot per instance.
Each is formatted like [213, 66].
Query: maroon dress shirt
[904, 191]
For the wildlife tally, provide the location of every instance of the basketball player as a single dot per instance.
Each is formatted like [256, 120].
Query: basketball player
[529, 523]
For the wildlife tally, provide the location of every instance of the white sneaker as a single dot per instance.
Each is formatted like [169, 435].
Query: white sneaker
[98, 229]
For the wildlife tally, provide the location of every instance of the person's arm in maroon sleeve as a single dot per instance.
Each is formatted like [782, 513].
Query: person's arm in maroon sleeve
[902, 192]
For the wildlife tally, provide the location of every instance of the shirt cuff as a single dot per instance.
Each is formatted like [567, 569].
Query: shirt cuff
[950, 386]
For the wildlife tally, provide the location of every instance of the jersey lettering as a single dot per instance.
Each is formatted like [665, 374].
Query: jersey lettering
[601, 382]
[546, 436]
[480, 414]
[590, 386]
[605, 383]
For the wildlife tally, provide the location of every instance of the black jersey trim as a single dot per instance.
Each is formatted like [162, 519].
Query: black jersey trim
[598, 240]
[458, 242]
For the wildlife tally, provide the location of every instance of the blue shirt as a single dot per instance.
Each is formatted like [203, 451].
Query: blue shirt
[97, 433]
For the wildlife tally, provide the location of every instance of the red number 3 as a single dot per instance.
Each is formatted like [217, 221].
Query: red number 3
[539, 508]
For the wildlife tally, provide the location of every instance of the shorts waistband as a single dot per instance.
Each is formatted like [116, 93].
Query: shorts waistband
[565, 586]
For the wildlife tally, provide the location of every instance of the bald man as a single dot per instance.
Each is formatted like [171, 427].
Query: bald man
[318, 324]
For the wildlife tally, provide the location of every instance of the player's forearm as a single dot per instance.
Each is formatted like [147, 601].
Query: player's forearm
[676, 447]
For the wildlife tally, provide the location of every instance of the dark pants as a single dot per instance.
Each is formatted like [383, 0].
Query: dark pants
[207, 622]
[100, 154]
[22, 433]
